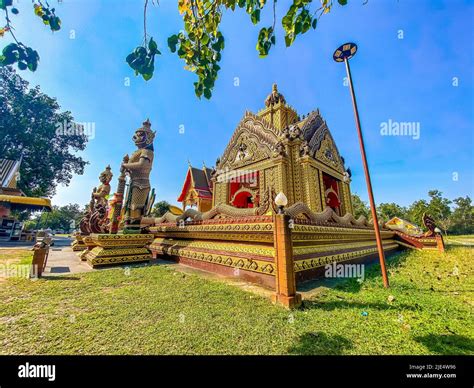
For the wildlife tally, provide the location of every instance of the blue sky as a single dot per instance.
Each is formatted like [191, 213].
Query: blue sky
[403, 80]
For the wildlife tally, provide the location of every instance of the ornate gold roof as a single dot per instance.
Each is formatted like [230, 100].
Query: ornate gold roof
[275, 97]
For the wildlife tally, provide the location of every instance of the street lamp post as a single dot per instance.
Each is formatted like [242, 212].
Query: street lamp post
[343, 54]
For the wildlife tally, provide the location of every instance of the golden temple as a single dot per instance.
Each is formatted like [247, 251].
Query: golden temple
[234, 223]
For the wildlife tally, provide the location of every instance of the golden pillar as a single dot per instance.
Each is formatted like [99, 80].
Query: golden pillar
[285, 282]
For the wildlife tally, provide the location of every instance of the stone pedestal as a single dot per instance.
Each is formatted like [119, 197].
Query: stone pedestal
[113, 249]
[89, 244]
[78, 243]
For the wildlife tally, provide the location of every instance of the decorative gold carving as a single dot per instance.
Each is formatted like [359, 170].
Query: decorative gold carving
[328, 215]
[302, 265]
[329, 155]
[259, 250]
[300, 250]
[255, 134]
[225, 259]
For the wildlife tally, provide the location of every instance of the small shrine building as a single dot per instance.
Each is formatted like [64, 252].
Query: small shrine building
[197, 189]
[274, 149]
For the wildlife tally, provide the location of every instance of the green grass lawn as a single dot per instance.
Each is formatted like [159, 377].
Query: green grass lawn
[16, 256]
[460, 239]
[157, 310]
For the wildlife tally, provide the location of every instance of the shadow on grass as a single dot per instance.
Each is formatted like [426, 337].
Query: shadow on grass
[451, 344]
[320, 343]
[344, 304]
[352, 285]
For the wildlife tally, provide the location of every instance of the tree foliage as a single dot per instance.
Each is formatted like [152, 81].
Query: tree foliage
[462, 217]
[160, 208]
[360, 207]
[29, 120]
[17, 52]
[65, 217]
[457, 220]
[199, 45]
[386, 211]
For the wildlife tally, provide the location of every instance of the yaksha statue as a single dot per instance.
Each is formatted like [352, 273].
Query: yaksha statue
[138, 168]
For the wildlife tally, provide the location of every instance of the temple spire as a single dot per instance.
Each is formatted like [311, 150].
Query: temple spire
[276, 112]
[275, 97]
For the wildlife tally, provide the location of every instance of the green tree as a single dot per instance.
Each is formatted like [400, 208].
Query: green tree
[61, 217]
[160, 208]
[33, 128]
[386, 211]
[438, 207]
[462, 217]
[360, 207]
[416, 210]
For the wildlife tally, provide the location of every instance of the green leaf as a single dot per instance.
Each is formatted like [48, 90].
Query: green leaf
[152, 46]
[255, 16]
[147, 76]
[207, 93]
[130, 58]
[342, 2]
[22, 65]
[314, 23]
[205, 39]
[5, 3]
[172, 42]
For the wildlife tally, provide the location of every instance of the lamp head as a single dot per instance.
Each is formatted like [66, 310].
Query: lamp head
[281, 200]
[346, 51]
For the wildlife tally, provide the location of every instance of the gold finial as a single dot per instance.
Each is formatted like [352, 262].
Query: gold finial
[147, 124]
[274, 97]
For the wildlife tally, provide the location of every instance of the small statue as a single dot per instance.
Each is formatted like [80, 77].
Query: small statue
[100, 195]
[138, 168]
[294, 132]
[304, 148]
[274, 97]
[95, 218]
[280, 149]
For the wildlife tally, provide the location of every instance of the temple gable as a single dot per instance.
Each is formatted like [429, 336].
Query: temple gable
[270, 152]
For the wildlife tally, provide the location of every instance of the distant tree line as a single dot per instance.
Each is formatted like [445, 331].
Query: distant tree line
[456, 219]
[65, 218]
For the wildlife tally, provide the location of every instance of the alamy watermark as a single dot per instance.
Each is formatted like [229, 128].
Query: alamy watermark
[400, 128]
[69, 128]
[18, 271]
[237, 176]
[335, 270]
[31, 371]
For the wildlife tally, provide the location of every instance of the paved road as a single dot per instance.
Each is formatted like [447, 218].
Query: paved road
[61, 260]
[59, 242]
